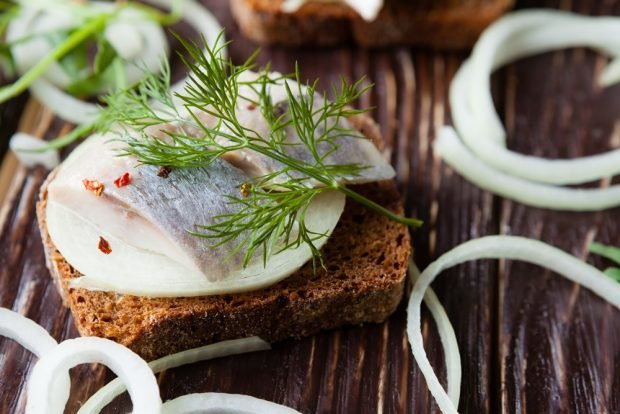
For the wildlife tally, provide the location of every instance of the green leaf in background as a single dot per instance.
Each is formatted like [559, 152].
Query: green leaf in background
[7, 12]
[614, 273]
[104, 57]
[609, 252]
[87, 86]
[7, 65]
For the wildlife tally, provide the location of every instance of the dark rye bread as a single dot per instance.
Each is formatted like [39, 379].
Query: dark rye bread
[366, 263]
[446, 24]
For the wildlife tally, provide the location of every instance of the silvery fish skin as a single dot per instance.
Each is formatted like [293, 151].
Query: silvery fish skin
[154, 213]
[350, 146]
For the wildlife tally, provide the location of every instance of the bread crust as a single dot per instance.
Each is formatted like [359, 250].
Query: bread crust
[445, 24]
[363, 280]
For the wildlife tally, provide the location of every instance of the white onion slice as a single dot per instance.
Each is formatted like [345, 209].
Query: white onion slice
[23, 146]
[446, 335]
[517, 35]
[456, 155]
[26, 332]
[221, 349]
[132, 369]
[498, 247]
[220, 403]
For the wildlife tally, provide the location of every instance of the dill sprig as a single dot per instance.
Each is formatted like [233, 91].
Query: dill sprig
[611, 253]
[270, 214]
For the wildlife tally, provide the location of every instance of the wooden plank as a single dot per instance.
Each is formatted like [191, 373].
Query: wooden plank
[559, 345]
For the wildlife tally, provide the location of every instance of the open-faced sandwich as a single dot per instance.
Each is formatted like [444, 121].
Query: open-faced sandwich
[450, 24]
[218, 213]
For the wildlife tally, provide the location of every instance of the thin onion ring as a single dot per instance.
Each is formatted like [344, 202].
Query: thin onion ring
[221, 349]
[446, 336]
[140, 381]
[218, 403]
[517, 35]
[497, 247]
[34, 338]
[456, 155]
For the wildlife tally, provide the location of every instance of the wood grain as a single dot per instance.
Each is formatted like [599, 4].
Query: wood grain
[530, 341]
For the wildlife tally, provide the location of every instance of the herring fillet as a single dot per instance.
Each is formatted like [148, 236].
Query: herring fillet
[152, 213]
[351, 147]
[148, 223]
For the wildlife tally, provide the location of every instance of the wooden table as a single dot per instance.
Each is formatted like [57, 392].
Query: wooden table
[530, 340]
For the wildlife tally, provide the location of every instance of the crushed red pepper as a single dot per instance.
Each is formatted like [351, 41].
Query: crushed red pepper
[94, 186]
[104, 246]
[164, 172]
[123, 180]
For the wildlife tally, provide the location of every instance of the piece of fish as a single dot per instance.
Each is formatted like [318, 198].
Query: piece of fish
[349, 146]
[136, 238]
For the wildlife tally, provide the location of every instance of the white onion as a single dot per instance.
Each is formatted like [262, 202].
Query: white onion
[498, 247]
[219, 403]
[446, 335]
[454, 153]
[221, 349]
[24, 146]
[132, 369]
[517, 35]
[34, 338]
[26, 332]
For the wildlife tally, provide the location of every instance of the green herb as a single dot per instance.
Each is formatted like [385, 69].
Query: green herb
[611, 253]
[71, 46]
[271, 213]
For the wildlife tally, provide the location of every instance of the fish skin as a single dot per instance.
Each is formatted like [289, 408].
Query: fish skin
[185, 200]
[162, 211]
[352, 148]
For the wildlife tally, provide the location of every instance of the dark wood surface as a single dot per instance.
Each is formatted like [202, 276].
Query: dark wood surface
[530, 341]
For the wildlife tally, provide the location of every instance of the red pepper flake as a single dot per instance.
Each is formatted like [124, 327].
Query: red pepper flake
[104, 246]
[123, 180]
[251, 106]
[94, 186]
[164, 172]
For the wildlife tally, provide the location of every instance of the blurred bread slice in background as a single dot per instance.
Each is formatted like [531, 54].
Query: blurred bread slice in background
[442, 24]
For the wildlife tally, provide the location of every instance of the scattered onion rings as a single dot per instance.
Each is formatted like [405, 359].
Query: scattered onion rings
[221, 349]
[132, 369]
[456, 155]
[517, 35]
[496, 247]
[217, 403]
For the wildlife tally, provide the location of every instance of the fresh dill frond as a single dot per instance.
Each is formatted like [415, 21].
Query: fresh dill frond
[270, 216]
[611, 253]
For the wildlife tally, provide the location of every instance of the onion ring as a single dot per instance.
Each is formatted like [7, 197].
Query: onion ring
[221, 349]
[517, 35]
[456, 155]
[496, 247]
[127, 365]
[220, 403]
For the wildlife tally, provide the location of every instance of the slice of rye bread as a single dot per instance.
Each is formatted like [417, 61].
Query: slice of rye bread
[366, 261]
[445, 24]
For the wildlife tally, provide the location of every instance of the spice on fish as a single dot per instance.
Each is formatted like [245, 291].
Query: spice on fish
[104, 246]
[164, 172]
[123, 180]
[95, 186]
